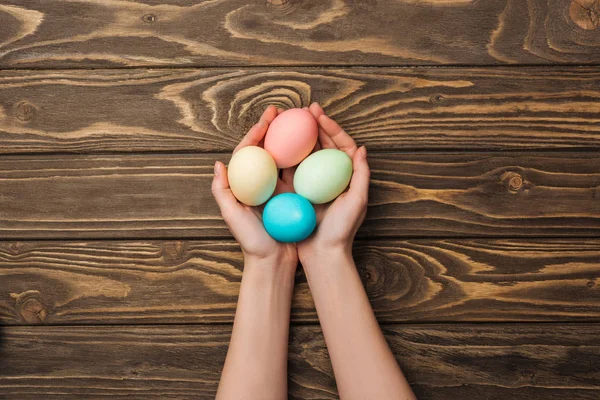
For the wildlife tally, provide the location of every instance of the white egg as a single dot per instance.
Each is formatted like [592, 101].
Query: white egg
[252, 175]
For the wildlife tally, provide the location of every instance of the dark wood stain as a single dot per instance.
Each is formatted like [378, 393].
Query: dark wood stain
[130, 282]
[484, 214]
[58, 34]
[412, 194]
[441, 361]
[382, 108]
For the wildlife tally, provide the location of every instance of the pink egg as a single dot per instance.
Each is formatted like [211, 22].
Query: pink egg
[291, 137]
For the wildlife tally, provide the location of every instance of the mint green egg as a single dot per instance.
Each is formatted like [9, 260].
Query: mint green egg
[323, 175]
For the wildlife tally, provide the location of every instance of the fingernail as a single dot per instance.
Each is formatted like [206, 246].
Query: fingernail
[363, 151]
[314, 103]
[217, 168]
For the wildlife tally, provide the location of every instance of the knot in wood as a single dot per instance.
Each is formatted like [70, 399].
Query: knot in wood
[16, 247]
[282, 7]
[585, 13]
[30, 307]
[149, 18]
[173, 251]
[25, 111]
[513, 181]
[590, 284]
[528, 374]
[278, 3]
[436, 98]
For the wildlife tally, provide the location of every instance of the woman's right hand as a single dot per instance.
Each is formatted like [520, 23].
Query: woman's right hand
[363, 364]
[338, 221]
[245, 222]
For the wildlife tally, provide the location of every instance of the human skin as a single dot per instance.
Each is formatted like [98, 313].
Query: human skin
[256, 363]
[362, 361]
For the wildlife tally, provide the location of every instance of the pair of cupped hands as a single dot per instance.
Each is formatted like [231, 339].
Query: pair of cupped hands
[337, 222]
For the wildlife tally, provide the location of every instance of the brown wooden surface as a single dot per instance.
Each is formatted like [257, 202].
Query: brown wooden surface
[190, 282]
[56, 33]
[418, 194]
[502, 247]
[441, 361]
[383, 108]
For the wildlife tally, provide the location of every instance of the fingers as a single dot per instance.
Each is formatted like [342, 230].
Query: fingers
[335, 134]
[359, 184]
[287, 175]
[324, 141]
[286, 183]
[320, 210]
[223, 195]
[282, 187]
[258, 131]
[257, 211]
[316, 110]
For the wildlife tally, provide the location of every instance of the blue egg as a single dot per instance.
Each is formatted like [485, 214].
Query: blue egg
[289, 217]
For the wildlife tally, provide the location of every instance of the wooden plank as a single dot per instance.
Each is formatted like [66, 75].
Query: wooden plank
[422, 194]
[383, 108]
[148, 282]
[447, 362]
[56, 33]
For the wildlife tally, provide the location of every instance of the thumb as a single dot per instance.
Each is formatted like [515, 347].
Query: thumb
[221, 191]
[359, 185]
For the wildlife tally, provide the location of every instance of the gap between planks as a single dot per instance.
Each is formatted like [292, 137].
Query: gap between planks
[300, 66]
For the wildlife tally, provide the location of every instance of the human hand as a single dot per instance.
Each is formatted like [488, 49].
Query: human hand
[339, 220]
[245, 222]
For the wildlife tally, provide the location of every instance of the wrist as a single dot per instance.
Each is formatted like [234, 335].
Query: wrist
[276, 260]
[326, 258]
[262, 281]
[271, 268]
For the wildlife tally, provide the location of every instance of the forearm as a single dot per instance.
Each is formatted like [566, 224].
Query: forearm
[256, 363]
[363, 364]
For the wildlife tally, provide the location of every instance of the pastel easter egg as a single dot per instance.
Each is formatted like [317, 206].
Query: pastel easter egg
[323, 175]
[291, 137]
[289, 218]
[252, 175]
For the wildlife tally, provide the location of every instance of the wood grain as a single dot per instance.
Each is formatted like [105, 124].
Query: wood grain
[441, 361]
[132, 282]
[419, 194]
[111, 33]
[383, 108]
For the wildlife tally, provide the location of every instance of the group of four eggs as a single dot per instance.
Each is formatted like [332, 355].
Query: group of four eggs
[320, 177]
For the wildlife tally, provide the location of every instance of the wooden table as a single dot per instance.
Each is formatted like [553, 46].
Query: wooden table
[481, 249]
